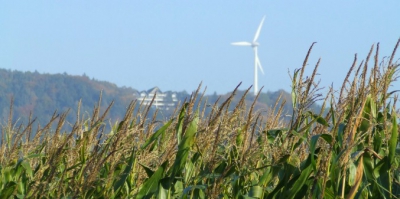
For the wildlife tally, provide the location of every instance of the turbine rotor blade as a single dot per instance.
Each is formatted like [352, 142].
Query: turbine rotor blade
[258, 30]
[259, 64]
[241, 43]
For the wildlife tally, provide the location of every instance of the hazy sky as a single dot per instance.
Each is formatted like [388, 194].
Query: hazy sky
[177, 44]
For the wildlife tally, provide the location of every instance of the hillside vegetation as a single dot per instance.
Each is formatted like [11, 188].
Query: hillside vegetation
[43, 94]
[233, 151]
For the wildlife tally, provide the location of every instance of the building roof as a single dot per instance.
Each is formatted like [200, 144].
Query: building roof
[154, 90]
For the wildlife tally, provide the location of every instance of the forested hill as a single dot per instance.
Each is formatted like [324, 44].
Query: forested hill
[43, 94]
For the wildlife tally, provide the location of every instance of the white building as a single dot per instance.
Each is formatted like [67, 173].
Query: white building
[161, 100]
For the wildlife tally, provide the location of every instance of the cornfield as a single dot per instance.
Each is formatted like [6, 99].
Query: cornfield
[349, 149]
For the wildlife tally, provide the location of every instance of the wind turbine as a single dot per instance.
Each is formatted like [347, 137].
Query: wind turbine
[254, 44]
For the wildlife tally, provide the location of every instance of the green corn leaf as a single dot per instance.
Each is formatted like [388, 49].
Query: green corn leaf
[82, 153]
[120, 125]
[366, 114]
[393, 138]
[300, 182]
[18, 169]
[286, 173]
[352, 173]
[190, 167]
[163, 191]
[189, 189]
[22, 185]
[363, 191]
[35, 155]
[179, 125]
[340, 134]
[185, 146]
[275, 133]
[304, 190]
[301, 136]
[294, 96]
[220, 168]
[189, 171]
[327, 137]
[322, 121]
[319, 119]
[27, 168]
[313, 145]
[373, 108]
[8, 189]
[178, 188]
[368, 167]
[381, 172]
[256, 192]
[378, 139]
[247, 197]
[156, 134]
[237, 186]
[268, 175]
[199, 193]
[149, 172]
[329, 193]
[124, 175]
[150, 187]
[239, 137]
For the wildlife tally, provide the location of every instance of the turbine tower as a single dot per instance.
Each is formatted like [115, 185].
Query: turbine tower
[257, 64]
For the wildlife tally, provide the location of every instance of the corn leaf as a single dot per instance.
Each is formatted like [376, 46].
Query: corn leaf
[300, 182]
[256, 192]
[8, 189]
[319, 119]
[151, 186]
[393, 138]
[156, 134]
[179, 125]
[149, 172]
[124, 175]
[185, 146]
[313, 145]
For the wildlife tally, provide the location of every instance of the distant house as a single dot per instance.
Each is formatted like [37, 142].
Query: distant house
[161, 100]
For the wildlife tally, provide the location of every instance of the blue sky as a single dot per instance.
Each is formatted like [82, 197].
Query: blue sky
[177, 44]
